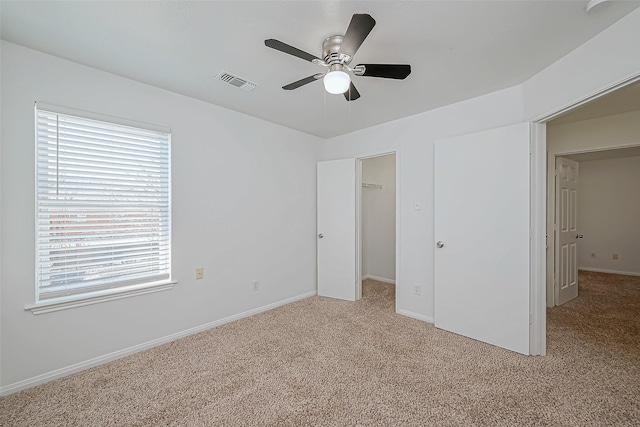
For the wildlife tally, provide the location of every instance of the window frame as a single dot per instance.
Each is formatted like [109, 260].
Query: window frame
[93, 296]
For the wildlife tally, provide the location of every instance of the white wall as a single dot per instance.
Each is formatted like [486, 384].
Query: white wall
[244, 202]
[603, 61]
[379, 218]
[243, 208]
[414, 138]
[616, 131]
[1, 239]
[609, 215]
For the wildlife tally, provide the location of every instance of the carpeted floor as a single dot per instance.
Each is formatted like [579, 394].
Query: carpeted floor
[332, 363]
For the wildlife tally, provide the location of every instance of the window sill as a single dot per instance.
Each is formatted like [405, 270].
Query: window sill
[64, 303]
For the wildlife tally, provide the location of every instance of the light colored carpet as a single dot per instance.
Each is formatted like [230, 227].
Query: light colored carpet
[332, 363]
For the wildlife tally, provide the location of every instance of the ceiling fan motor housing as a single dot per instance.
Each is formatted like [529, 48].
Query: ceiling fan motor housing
[331, 51]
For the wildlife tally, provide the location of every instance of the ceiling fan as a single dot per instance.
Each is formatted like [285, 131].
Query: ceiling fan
[337, 53]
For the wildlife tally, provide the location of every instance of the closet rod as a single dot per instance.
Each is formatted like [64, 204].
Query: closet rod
[367, 185]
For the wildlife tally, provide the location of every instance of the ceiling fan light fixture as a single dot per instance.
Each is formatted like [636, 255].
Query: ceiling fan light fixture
[336, 82]
[337, 53]
[593, 3]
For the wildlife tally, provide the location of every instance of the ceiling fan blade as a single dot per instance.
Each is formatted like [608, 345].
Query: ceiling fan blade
[359, 28]
[302, 82]
[283, 47]
[352, 93]
[387, 71]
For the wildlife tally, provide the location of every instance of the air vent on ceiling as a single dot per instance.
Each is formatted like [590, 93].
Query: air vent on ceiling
[236, 81]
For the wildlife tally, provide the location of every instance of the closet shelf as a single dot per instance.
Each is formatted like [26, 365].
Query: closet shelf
[368, 185]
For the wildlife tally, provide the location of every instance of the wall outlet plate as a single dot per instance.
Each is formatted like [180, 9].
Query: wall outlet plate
[199, 273]
[255, 285]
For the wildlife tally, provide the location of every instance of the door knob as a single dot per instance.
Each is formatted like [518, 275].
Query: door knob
[320, 236]
[579, 236]
[439, 244]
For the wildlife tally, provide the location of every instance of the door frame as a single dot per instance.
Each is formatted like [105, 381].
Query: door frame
[551, 211]
[359, 160]
[539, 212]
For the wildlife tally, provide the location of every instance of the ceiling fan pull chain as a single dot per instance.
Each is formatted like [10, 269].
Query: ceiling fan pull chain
[325, 106]
[349, 104]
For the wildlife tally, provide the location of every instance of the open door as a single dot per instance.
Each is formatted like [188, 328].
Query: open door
[482, 229]
[566, 229]
[337, 229]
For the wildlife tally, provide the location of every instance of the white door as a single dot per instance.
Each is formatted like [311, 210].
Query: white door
[482, 207]
[337, 229]
[566, 273]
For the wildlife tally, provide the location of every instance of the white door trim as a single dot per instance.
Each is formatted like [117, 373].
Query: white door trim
[538, 210]
[537, 239]
[359, 159]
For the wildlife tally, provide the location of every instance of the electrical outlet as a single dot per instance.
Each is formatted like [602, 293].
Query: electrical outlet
[614, 257]
[417, 289]
[592, 255]
[255, 285]
[199, 273]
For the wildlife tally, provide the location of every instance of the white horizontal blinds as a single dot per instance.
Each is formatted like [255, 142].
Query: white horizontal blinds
[103, 205]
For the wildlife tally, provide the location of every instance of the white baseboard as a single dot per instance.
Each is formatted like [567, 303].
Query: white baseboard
[602, 270]
[77, 367]
[415, 316]
[379, 279]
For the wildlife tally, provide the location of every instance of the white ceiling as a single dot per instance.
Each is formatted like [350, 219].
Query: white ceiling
[458, 50]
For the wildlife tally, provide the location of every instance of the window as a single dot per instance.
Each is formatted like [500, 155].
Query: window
[103, 207]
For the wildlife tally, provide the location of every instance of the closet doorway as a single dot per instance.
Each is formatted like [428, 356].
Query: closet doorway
[377, 230]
